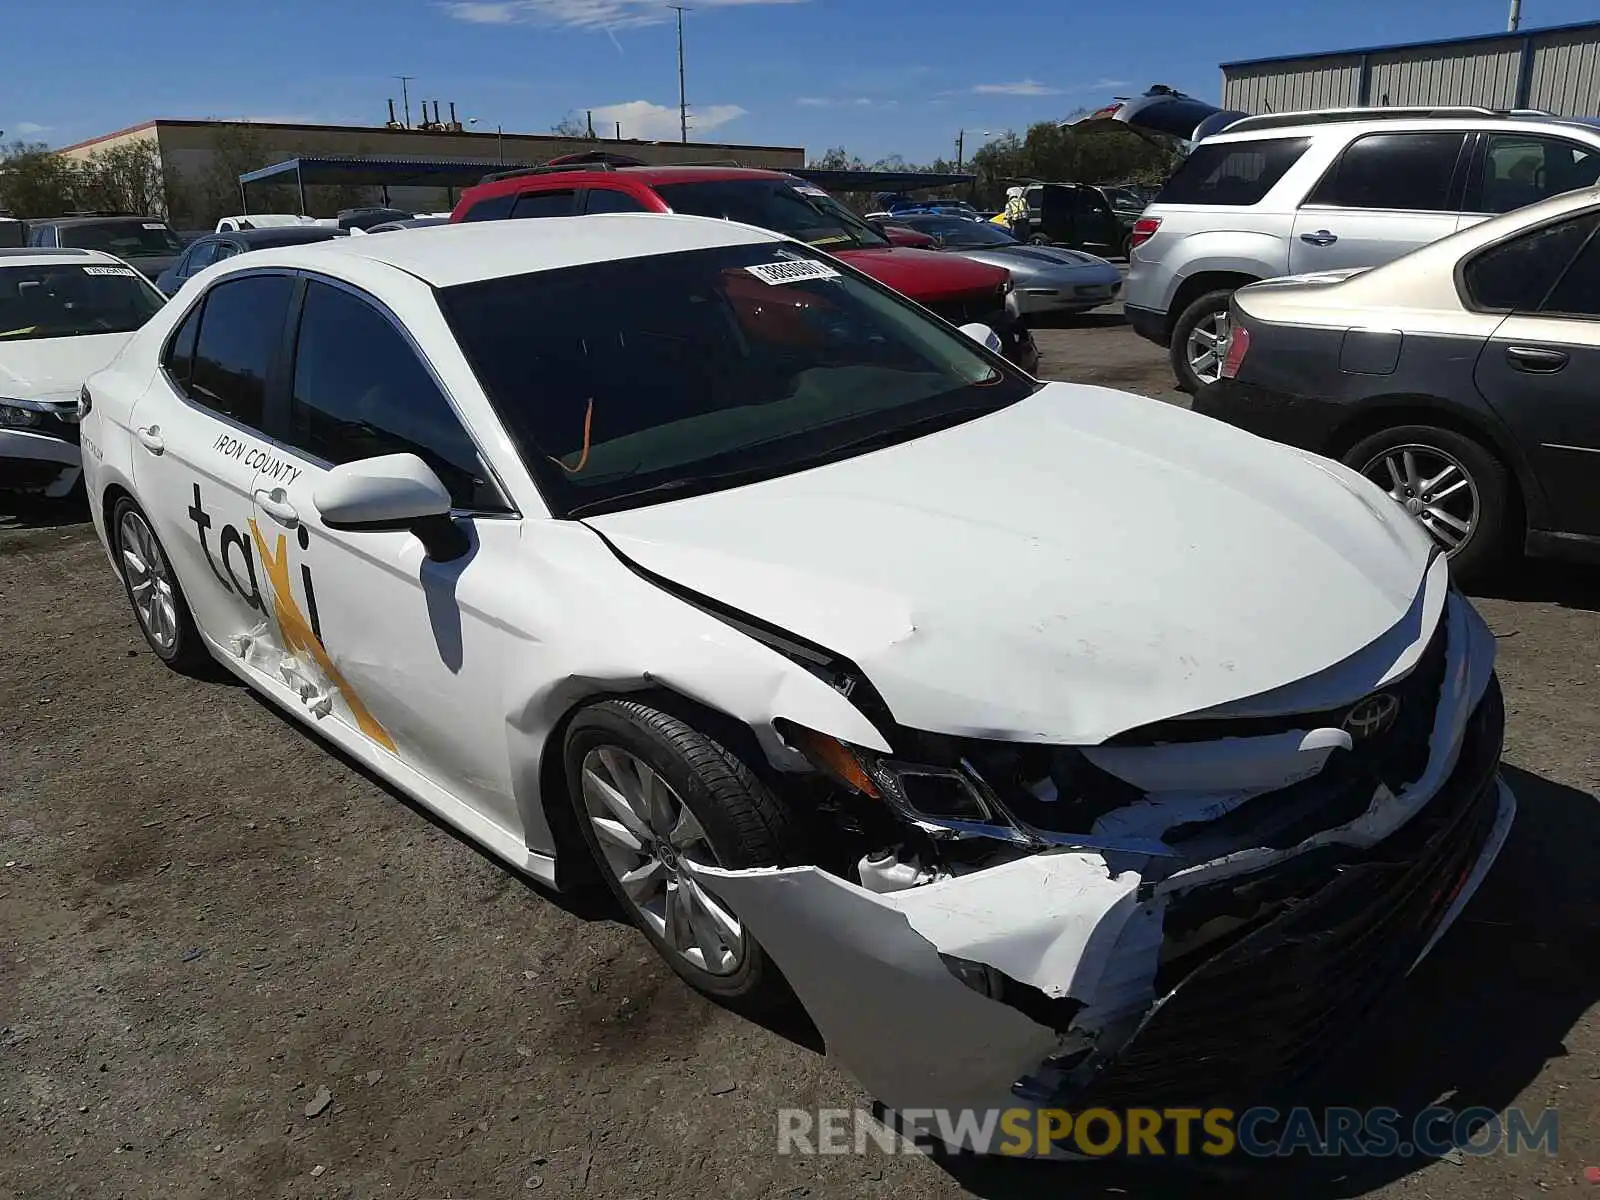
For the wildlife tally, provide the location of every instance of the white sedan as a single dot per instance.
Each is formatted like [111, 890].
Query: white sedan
[64, 314]
[982, 713]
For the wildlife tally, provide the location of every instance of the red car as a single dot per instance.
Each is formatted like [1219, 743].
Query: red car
[959, 290]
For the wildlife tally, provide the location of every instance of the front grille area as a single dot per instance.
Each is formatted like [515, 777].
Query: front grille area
[1265, 1012]
[981, 309]
[53, 425]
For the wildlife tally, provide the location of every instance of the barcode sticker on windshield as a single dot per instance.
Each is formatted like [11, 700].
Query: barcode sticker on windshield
[154, 225]
[109, 271]
[806, 190]
[792, 272]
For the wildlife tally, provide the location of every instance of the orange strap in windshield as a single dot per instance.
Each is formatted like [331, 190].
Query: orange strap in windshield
[583, 457]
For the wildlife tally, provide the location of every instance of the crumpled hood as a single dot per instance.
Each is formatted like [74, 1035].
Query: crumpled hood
[926, 274]
[1075, 565]
[54, 368]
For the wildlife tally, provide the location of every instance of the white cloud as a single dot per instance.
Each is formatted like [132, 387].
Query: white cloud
[28, 128]
[1023, 87]
[840, 102]
[641, 119]
[581, 14]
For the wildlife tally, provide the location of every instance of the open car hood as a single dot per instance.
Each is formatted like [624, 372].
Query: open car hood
[1075, 565]
[1162, 112]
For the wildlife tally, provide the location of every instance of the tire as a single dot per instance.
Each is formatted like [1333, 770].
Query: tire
[174, 637]
[1201, 311]
[1487, 486]
[743, 826]
[1039, 239]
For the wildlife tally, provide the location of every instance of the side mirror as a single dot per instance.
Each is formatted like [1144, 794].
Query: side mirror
[395, 491]
[983, 335]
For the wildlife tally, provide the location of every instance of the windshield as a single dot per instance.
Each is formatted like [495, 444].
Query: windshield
[643, 379]
[125, 239]
[792, 208]
[958, 231]
[68, 300]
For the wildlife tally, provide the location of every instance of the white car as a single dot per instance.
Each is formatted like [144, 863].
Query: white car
[988, 712]
[262, 221]
[64, 314]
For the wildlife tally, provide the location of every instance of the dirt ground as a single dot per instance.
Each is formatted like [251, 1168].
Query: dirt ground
[233, 964]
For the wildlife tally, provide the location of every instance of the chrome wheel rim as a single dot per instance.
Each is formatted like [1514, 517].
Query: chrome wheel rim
[1207, 344]
[1433, 487]
[645, 832]
[149, 586]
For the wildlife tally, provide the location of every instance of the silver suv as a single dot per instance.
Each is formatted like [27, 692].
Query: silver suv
[1299, 193]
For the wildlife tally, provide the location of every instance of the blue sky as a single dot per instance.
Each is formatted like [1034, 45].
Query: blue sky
[876, 76]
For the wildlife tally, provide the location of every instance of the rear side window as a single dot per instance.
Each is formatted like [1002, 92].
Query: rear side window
[1578, 293]
[239, 336]
[1406, 171]
[179, 360]
[1520, 169]
[1517, 273]
[495, 208]
[609, 200]
[1234, 173]
[545, 204]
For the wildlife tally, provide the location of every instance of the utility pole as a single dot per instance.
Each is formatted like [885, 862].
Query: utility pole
[1516, 16]
[961, 145]
[405, 95]
[683, 102]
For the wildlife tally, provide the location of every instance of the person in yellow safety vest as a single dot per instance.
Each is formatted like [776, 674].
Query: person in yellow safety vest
[1016, 212]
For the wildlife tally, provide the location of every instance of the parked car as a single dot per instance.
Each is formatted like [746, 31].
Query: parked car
[1044, 279]
[680, 553]
[13, 232]
[245, 221]
[1073, 214]
[1293, 193]
[215, 247]
[64, 314]
[363, 219]
[145, 243]
[961, 292]
[1460, 379]
[413, 223]
[902, 235]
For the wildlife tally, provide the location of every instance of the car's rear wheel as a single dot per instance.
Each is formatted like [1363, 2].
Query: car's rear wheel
[650, 791]
[1039, 239]
[1200, 340]
[153, 591]
[1454, 488]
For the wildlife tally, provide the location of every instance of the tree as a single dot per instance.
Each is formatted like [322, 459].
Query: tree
[37, 182]
[570, 126]
[125, 178]
[838, 159]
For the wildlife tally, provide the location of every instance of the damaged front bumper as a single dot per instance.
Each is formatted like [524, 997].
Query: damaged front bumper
[1080, 975]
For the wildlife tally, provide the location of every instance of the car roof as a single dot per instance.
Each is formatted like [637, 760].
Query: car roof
[109, 218]
[588, 174]
[280, 235]
[53, 256]
[447, 255]
[1449, 124]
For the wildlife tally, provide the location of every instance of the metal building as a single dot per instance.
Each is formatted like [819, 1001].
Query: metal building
[1556, 68]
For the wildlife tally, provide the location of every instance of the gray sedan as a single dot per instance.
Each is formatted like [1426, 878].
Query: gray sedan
[1045, 279]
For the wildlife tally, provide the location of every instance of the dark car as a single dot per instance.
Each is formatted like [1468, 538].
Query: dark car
[214, 247]
[1076, 215]
[1459, 378]
[145, 243]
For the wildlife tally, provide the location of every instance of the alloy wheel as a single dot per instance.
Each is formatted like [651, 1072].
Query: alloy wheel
[1207, 346]
[148, 582]
[1433, 487]
[645, 833]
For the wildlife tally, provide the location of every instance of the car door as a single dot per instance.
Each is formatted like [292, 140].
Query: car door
[1538, 370]
[411, 653]
[1511, 170]
[1386, 195]
[200, 447]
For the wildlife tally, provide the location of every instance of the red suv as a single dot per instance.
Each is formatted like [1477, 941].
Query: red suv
[957, 289]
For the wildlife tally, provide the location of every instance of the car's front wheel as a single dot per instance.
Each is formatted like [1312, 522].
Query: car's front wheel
[651, 792]
[153, 591]
[1455, 489]
[1200, 340]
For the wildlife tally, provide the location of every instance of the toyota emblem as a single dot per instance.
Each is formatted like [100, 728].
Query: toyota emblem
[1372, 716]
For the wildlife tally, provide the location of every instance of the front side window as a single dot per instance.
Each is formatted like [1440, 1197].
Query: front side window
[545, 204]
[1520, 169]
[201, 257]
[1517, 273]
[495, 208]
[1406, 171]
[1232, 173]
[360, 391]
[240, 331]
[69, 300]
[650, 378]
[179, 358]
[125, 239]
[796, 210]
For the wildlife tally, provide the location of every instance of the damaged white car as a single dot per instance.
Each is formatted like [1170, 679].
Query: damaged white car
[1051, 743]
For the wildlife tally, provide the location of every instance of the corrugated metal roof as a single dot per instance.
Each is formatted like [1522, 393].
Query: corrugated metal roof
[1469, 39]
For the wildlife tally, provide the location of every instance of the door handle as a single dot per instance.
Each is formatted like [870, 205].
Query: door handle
[1320, 238]
[150, 438]
[1535, 359]
[276, 505]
